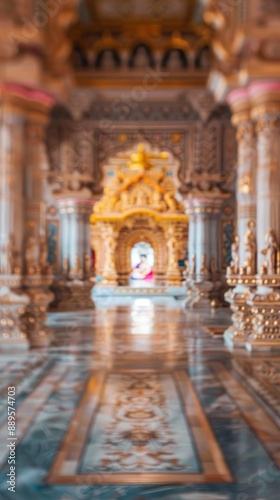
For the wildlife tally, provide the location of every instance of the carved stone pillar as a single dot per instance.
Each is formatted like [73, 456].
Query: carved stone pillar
[192, 238]
[24, 113]
[240, 277]
[12, 302]
[37, 273]
[246, 168]
[73, 287]
[265, 301]
[11, 185]
[173, 274]
[193, 293]
[110, 276]
[204, 210]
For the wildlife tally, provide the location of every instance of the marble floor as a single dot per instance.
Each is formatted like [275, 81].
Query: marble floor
[139, 400]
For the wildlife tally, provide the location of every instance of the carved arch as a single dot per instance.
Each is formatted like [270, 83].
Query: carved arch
[167, 55]
[100, 57]
[203, 53]
[148, 52]
[128, 237]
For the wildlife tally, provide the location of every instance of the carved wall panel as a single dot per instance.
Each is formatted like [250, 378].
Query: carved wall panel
[195, 131]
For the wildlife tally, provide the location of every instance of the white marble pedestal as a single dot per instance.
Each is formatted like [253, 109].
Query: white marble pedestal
[12, 307]
[237, 334]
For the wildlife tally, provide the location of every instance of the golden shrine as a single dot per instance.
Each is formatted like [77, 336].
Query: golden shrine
[139, 204]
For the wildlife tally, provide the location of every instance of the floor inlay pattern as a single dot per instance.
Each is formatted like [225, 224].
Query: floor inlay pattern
[136, 429]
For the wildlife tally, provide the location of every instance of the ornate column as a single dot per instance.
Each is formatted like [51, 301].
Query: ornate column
[109, 236]
[173, 274]
[241, 274]
[12, 302]
[73, 287]
[23, 246]
[192, 238]
[193, 292]
[37, 275]
[265, 301]
[246, 169]
[204, 210]
[73, 195]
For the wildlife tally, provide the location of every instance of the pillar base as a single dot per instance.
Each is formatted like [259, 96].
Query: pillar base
[72, 296]
[37, 289]
[218, 291]
[203, 299]
[192, 293]
[265, 307]
[237, 334]
[12, 307]
[198, 293]
[235, 338]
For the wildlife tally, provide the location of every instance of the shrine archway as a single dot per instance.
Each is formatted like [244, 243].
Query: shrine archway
[139, 204]
[129, 237]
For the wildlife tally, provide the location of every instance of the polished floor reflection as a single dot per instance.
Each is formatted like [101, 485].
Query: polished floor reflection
[142, 401]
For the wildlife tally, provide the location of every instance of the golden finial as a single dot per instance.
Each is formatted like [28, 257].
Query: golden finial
[141, 159]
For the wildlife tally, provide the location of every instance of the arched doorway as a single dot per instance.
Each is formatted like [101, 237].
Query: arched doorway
[142, 259]
[141, 228]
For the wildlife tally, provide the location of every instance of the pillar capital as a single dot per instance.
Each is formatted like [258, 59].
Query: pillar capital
[25, 99]
[257, 99]
[241, 118]
[265, 100]
[239, 102]
[75, 205]
[203, 202]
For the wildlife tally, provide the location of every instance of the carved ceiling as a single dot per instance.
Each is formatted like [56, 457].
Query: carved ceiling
[96, 10]
[117, 40]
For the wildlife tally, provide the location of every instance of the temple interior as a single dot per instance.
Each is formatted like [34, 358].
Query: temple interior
[140, 249]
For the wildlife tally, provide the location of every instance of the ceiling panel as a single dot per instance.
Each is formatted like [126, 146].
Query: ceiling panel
[140, 9]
